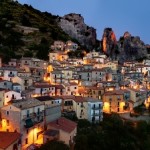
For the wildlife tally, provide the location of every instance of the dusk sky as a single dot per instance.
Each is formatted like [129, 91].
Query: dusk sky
[121, 16]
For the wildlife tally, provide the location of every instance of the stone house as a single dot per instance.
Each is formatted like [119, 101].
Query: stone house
[26, 117]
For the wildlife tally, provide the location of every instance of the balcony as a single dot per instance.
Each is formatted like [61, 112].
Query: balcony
[96, 114]
[97, 107]
[41, 113]
[33, 119]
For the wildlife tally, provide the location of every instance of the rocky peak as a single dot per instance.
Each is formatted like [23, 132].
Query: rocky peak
[126, 35]
[127, 48]
[133, 48]
[73, 24]
[109, 41]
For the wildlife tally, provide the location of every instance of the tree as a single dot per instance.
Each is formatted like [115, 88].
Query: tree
[54, 145]
[43, 51]
[25, 20]
[28, 54]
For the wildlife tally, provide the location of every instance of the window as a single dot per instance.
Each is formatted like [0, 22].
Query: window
[7, 112]
[28, 113]
[47, 139]
[27, 131]
[38, 111]
[99, 105]
[110, 99]
[7, 122]
[26, 141]
[99, 92]
[5, 83]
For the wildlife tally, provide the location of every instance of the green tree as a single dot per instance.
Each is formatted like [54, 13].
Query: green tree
[28, 54]
[43, 51]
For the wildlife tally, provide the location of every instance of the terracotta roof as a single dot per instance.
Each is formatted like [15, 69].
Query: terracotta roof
[79, 99]
[116, 92]
[59, 86]
[82, 90]
[7, 138]
[43, 86]
[73, 83]
[94, 88]
[45, 98]
[64, 97]
[63, 124]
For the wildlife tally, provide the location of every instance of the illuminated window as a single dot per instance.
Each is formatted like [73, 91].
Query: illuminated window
[7, 122]
[26, 141]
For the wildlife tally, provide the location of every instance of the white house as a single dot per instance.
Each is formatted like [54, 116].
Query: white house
[11, 95]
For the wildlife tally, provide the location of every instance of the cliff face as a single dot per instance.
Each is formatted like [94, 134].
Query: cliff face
[109, 41]
[127, 48]
[73, 24]
[132, 47]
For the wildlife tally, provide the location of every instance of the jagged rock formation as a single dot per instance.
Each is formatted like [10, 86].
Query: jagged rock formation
[132, 47]
[127, 48]
[73, 24]
[109, 41]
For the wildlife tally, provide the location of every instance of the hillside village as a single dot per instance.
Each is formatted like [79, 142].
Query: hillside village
[37, 96]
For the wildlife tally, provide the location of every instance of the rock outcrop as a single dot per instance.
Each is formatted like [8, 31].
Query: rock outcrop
[109, 41]
[127, 48]
[73, 24]
[132, 47]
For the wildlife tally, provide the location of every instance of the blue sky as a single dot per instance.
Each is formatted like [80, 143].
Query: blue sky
[120, 15]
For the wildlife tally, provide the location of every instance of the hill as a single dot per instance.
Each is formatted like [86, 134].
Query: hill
[25, 31]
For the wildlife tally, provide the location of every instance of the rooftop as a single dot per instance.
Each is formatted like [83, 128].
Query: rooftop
[51, 132]
[7, 138]
[45, 98]
[26, 103]
[63, 124]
